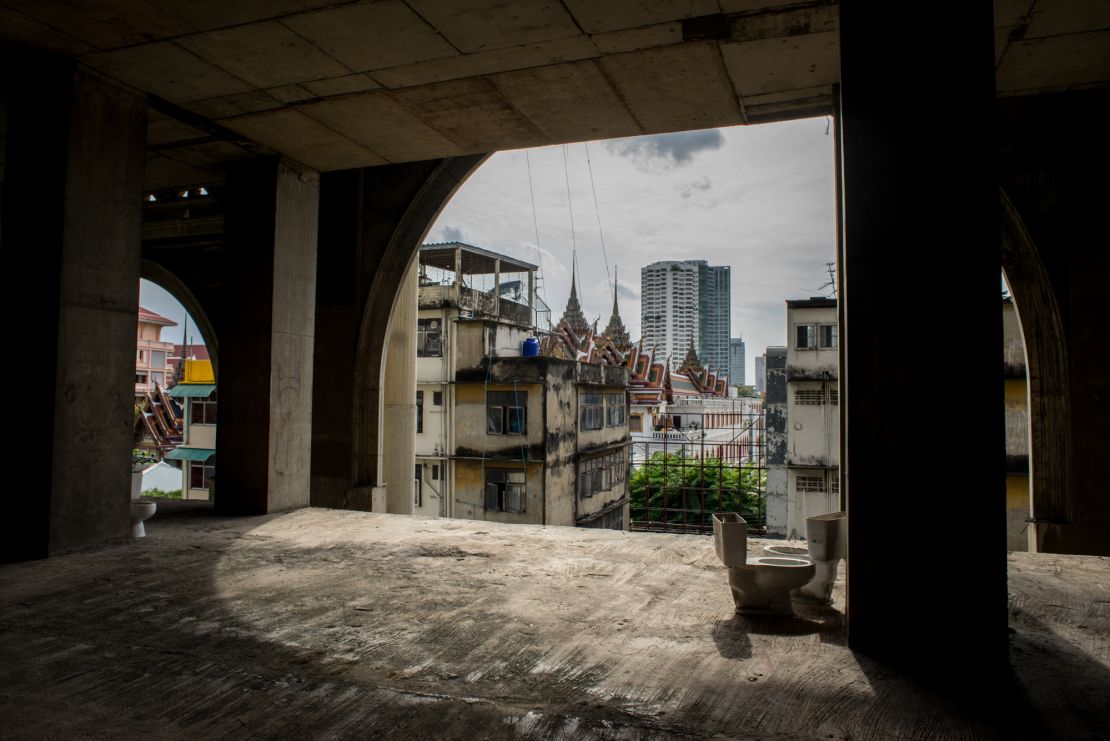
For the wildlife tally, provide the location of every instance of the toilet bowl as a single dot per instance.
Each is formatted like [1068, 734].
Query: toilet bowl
[760, 586]
[827, 536]
[141, 509]
[787, 551]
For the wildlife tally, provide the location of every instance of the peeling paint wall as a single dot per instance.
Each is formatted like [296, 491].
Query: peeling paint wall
[470, 484]
[775, 410]
[561, 440]
[471, 438]
[813, 430]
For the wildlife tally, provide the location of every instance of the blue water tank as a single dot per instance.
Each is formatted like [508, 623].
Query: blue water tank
[531, 347]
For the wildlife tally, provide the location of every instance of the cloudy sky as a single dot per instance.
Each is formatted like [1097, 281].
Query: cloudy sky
[757, 198]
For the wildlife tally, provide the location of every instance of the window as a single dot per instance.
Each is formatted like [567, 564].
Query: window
[419, 411]
[140, 378]
[590, 411]
[157, 358]
[809, 397]
[505, 489]
[601, 473]
[827, 335]
[816, 397]
[437, 398]
[506, 412]
[636, 423]
[417, 484]
[142, 355]
[429, 338]
[810, 485]
[199, 473]
[805, 336]
[616, 411]
[435, 472]
[202, 411]
[158, 378]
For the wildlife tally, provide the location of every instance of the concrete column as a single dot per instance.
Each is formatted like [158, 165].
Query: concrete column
[921, 319]
[263, 446]
[399, 389]
[71, 233]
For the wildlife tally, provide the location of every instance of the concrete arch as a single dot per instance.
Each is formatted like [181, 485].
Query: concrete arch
[377, 317]
[169, 280]
[1046, 346]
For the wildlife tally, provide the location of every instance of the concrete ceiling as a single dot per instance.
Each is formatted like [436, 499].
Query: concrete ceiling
[348, 84]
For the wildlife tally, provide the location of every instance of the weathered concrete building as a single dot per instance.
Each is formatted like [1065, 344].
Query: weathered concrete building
[501, 436]
[811, 459]
[329, 135]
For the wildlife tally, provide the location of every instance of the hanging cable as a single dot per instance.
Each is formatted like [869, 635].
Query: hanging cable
[570, 207]
[597, 210]
[536, 224]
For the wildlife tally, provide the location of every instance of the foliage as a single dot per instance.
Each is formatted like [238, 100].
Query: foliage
[160, 494]
[742, 390]
[700, 486]
[141, 458]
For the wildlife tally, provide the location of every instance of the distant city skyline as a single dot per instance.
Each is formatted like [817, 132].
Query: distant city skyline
[757, 198]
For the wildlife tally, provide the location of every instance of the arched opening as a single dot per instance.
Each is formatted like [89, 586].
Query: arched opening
[720, 424]
[173, 457]
[1046, 365]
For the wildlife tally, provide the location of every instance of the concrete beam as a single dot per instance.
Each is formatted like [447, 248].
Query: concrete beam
[73, 185]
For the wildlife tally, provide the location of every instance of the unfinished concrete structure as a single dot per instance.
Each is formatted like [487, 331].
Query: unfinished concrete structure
[332, 133]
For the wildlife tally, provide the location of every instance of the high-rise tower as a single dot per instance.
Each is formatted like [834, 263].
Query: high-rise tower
[684, 302]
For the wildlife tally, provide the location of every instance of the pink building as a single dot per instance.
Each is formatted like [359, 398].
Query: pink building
[152, 355]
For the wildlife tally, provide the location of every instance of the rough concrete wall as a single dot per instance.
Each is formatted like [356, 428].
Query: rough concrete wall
[1017, 426]
[98, 303]
[778, 502]
[560, 410]
[469, 493]
[471, 438]
[470, 344]
[813, 431]
[816, 362]
[775, 407]
[73, 176]
[1013, 346]
[399, 399]
[292, 333]
[1017, 512]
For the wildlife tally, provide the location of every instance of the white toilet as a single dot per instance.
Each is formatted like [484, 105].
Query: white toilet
[760, 586]
[828, 543]
[141, 509]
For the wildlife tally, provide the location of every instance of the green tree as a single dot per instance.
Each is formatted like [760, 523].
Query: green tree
[689, 490]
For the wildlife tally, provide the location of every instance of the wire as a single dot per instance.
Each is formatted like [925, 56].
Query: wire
[536, 224]
[570, 207]
[597, 210]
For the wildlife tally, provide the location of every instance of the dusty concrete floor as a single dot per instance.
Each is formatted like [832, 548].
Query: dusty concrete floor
[330, 624]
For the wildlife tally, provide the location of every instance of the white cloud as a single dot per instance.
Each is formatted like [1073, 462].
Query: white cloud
[761, 200]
